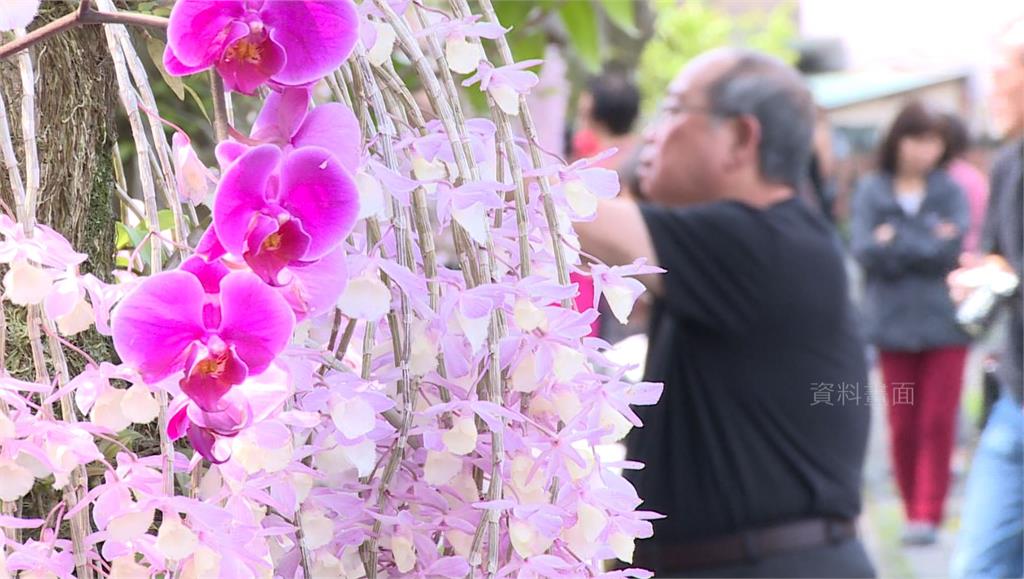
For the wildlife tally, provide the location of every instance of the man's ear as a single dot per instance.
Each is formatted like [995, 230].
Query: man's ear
[745, 139]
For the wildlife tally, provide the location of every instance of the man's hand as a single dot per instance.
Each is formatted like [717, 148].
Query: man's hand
[965, 279]
[884, 233]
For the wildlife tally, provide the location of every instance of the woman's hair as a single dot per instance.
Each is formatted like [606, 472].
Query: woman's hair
[956, 135]
[914, 120]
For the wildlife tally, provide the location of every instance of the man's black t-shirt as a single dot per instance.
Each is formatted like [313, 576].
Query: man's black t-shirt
[765, 412]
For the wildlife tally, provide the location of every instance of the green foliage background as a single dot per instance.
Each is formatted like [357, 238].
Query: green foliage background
[682, 31]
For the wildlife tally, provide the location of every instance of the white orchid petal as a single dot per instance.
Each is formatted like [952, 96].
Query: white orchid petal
[568, 363]
[582, 202]
[77, 320]
[461, 438]
[384, 45]
[15, 480]
[371, 196]
[130, 526]
[474, 219]
[317, 529]
[506, 98]
[404, 553]
[139, 405]
[174, 540]
[463, 56]
[107, 411]
[365, 298]
[354, 417]
[26, 284]
[528, 316]
[441, 467]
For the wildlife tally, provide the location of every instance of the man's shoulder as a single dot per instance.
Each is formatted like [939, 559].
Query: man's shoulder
[1007, 157]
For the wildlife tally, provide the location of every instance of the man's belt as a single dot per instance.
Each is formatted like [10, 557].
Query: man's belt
[745, 546]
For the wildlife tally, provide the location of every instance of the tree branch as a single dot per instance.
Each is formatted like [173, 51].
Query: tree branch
[83, 15]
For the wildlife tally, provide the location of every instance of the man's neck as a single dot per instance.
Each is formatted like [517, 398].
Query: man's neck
[763, 195]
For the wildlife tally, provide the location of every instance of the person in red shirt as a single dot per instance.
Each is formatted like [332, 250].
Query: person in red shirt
[605, 115]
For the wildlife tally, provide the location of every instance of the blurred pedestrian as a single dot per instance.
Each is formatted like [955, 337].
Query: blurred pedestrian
[970, 179]
[755, 451]
[606, 113]
[991, 541]
[908, 223]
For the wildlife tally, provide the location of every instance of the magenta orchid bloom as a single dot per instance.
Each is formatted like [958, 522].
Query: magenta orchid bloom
[218, 326]
[251, 42]
[286, 121]
[276, 209]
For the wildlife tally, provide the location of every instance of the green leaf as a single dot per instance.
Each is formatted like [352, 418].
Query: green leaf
[528, 46]
[156, 52]
[123, 238]
[199, 101]
[622, 13]
[580, 21]
[512, 12]
[166, 219]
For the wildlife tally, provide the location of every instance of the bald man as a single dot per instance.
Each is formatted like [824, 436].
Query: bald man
[755, 451]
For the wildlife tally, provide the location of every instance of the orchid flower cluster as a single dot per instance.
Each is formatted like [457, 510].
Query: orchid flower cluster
[368, 365]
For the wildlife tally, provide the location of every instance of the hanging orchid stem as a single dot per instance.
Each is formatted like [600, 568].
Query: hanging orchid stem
[80, 527]
[6, 507]
[11, 161]
[78, 482]
[80, 17]
[142, 147]
[446, 106]
[402, 348]
[530, 128]
[164, 169]
[220, 117]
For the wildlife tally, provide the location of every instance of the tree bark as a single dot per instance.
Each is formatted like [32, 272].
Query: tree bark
[76, 104]
[76, 101]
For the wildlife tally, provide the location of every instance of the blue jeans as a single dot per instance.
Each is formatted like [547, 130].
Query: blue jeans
[991, 542]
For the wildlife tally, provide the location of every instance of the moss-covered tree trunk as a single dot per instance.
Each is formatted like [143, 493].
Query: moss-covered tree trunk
[76, 103]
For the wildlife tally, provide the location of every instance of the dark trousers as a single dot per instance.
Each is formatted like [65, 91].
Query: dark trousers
[846, 559]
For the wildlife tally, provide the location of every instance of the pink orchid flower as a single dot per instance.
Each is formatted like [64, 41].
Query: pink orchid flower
[251, 42]
[505, 83]
[218, 326]
[249, 403]
[276, 209]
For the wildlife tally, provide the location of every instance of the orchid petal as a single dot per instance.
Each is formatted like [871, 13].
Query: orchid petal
[282, 115]
[241, 194]
[318, 36]
[255, 319]
[245, 74]
[209, 273]
[317, 286]
[156, 323]
[334, 127]
[212, 377]
[198, 30]
[318, 191]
